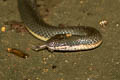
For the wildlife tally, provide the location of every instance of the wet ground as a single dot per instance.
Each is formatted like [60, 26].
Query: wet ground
[102, 63]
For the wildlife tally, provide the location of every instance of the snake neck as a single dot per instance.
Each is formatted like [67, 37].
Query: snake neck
[29, 14]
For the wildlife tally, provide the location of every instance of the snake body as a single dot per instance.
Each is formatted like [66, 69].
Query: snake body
[70, 38]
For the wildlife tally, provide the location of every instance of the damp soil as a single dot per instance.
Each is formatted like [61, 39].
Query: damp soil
[102, 63]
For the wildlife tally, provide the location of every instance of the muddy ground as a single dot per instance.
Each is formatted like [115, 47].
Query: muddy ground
[102, 63]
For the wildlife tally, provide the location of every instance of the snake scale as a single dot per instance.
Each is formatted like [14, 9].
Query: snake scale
[72, 38]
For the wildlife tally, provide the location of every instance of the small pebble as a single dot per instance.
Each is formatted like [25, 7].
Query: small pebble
[3, 29]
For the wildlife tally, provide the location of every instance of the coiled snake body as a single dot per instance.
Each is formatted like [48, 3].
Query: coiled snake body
[72, 38]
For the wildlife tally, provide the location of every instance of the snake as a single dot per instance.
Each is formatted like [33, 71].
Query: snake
[57, 38]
